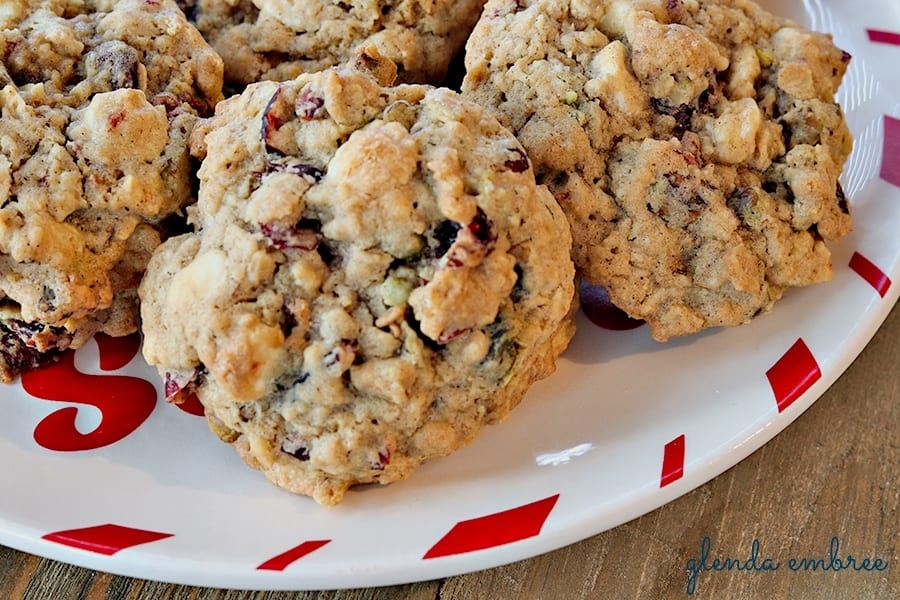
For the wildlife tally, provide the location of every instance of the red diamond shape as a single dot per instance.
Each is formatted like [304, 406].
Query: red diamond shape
[793, 374]
[872, 274]
[673, 461]
[285, 559]
[890, 153]
[884, 37]
[495, 529]
[105, 539]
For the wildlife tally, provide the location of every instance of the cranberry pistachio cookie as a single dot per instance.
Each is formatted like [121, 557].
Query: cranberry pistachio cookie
[694, 145]
[98, 99]
[279, 39]
[373, 279]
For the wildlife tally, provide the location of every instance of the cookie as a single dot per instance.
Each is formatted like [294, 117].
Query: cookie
[373, 279]
[97, 102]
[280, 39]
[695, 146]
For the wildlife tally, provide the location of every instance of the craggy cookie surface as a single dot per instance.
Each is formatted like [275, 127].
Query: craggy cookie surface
[279, 39]
[374, 278]
[97, 102]
[695, 145]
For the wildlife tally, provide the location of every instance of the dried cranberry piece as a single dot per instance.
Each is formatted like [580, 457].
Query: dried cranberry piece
[302, 236]
[38, 335]
[448, 336]
[171, 387]
[384, 459]
[519, 164]
[309, 172]
[308, 105]
[472, 248]
[18, 353]
[24, 329]
[179, 388]
[345, 350]
[483, 229]
[16, 358]
[173, 105]
[275, 115]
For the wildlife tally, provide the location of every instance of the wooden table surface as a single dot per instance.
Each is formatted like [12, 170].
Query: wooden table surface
[828, 486]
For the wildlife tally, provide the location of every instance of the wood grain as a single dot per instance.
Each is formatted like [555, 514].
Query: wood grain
[834, 473]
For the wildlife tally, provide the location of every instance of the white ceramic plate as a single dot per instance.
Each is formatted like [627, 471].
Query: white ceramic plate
[623, 427]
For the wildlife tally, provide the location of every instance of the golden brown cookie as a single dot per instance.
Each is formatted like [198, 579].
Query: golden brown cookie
[374, 278]
[695, 145]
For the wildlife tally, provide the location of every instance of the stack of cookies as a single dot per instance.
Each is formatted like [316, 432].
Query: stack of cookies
[98, 101]
[355, 269]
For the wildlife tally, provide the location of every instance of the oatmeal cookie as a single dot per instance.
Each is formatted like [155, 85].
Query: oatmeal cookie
[695, 145]
[97, 102]
[374, 278]
[279, 39]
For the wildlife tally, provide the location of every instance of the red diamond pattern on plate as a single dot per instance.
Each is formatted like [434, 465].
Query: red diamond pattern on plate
[105, 539]
[871, 273]
[793, 374]
[890, 153]
[673, 461]
[493, 530]
[883, 37]
[286, 559]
